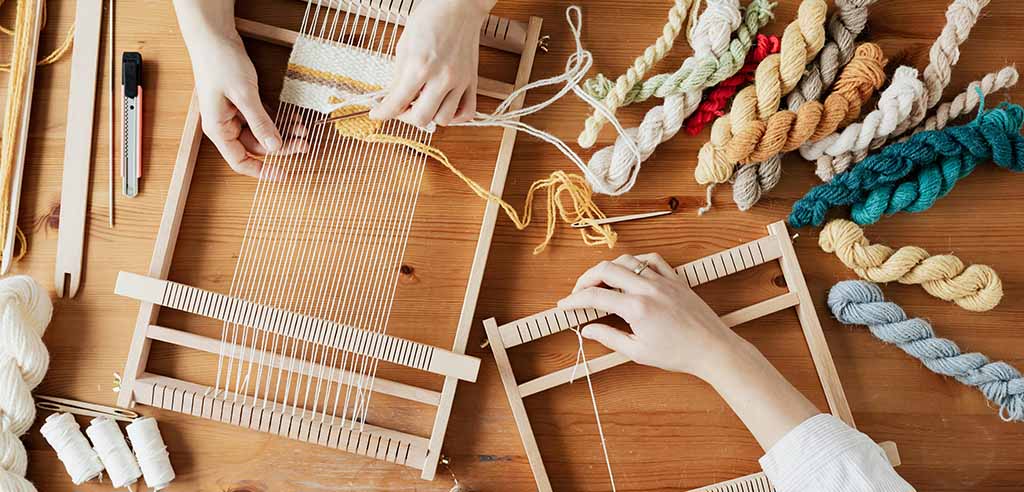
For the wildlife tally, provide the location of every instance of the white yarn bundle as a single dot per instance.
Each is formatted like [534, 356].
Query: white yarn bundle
[151, 452]
[73, 449]
[108, 441]
[25, 311]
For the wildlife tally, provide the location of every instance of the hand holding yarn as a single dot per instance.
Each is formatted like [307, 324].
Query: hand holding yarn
[25, 311]
[975, 288]
[857, 302]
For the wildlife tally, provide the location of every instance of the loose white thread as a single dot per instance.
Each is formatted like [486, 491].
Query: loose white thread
[108, 441]
[151, 452]
[576, 68]
[80, 460]
[25, 311]
[582, 357]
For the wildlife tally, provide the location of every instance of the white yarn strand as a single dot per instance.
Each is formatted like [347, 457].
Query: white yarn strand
[25, 311]
[73, 449]
[581, 357]
[150, 450]
[108, 442]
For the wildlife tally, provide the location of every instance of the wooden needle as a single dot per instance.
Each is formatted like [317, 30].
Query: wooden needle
[623, 218]
[113, 124]
[340, 118]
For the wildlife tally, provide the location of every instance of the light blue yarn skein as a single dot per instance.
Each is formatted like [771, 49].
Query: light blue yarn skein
[856, 302]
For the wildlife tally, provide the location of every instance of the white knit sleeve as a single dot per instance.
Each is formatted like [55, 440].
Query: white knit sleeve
[823, 454]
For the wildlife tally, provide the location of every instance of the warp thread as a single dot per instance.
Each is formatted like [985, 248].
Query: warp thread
[615, 98]
[151, 452]
[613, 167]
[961, 15]
[25, 311]
[879, 183]
[761, 144]
[112, 449]
[581, 359]
[73, 449]
[857, 302]
[726, 15]
[776, 76]
[716, 99]
[843, 29]
[974, 288]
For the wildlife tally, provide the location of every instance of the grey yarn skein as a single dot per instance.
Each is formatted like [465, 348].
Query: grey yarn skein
[856, 302]
[751, 181]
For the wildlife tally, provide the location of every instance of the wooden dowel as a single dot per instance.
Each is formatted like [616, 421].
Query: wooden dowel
[290, 364]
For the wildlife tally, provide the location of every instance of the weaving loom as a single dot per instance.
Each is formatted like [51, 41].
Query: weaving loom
[314, 300]
[775, 246]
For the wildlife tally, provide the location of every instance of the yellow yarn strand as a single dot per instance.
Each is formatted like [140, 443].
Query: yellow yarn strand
[974, 288]
[55, 55]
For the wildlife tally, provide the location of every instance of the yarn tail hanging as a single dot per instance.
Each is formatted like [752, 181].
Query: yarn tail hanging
[856, 302]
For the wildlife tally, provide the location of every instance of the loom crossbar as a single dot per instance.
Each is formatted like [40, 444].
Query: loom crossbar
[777, 245]
[326, 333]
[139, 386]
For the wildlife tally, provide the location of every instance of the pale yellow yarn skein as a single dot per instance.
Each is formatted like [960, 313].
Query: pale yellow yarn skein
[776, 76]
[974, 288]
[25, 311]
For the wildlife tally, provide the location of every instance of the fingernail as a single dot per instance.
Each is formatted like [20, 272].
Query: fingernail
[274, 143]
[587, 332]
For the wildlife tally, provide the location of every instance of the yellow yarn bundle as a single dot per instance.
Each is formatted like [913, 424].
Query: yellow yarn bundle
[561, 187]
[775, 77]
[975, 288]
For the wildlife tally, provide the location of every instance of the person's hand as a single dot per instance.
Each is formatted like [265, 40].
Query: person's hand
[673, 328]
[233, 116]
[435, 74]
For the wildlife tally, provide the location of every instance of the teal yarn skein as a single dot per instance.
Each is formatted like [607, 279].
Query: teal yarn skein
[912, 175]
[856, 302]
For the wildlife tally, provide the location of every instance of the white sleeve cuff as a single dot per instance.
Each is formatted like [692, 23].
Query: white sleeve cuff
[823, 454]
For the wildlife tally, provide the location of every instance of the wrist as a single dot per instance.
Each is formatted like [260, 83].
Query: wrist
[726, 359]
[206, 22]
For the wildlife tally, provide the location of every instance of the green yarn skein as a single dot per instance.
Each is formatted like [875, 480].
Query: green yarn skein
[910, 176]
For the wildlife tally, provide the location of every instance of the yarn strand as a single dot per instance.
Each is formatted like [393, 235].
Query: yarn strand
[974, 288]
[856, 302]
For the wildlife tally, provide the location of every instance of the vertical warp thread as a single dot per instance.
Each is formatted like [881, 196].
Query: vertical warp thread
[856, 302]
[974, 288]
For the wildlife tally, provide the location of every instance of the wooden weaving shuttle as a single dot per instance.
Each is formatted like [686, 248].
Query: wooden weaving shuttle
[777, 245]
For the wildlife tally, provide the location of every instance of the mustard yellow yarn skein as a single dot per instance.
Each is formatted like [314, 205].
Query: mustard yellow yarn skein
[974, 288]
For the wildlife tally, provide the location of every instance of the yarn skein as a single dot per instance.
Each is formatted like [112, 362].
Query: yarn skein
[151, 452]
[856, 302]
[974, 288]
[761, 145]
[615, 166]
[716, 99]
[969, 100]
[843, 29]
[961, 15]
[776, 76]
[25, 311]
[653, 54]
[871, 186]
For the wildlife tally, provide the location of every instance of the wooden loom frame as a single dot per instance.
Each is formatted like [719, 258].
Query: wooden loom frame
[424, 453]
[777, 245]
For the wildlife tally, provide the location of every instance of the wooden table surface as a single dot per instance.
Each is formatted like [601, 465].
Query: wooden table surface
[665, 431]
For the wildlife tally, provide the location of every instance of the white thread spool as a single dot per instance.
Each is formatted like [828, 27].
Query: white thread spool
[152, 452]
[117, 458]
[80, 460]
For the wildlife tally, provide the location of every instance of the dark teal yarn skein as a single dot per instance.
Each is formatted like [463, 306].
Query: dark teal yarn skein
[911, 175]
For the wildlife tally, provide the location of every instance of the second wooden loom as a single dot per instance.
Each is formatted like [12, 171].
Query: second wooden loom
[777, 245]
[155, 291]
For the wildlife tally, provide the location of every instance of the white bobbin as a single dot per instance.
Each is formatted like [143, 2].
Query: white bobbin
[65, 436]
[108, 441]
[151, 452]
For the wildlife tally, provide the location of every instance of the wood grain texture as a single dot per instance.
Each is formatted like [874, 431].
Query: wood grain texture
[665, 431]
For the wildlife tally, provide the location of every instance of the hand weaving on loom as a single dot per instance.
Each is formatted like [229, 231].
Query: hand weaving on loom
[381, 135]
